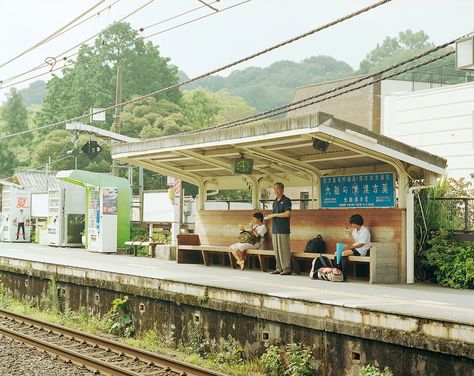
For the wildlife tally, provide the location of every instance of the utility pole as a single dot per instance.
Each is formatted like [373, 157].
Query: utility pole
[118, 109]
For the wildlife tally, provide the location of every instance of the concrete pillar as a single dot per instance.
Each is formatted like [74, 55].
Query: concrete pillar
[316, 192]
[255, 192]
[201, 196]
[402, 189]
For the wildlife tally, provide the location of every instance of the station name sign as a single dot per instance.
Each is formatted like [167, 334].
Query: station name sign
[358, 191]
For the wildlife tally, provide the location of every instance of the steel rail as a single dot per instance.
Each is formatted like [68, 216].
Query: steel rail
[148, 357]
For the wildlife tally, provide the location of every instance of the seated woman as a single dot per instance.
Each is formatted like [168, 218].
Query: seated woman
[361, 236]
[258, 229]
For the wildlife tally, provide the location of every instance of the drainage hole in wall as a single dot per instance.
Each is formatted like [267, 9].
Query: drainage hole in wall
[27, 282]
[355, 356]
[96, 298]
[141, 307]
[265, 336]
[197, 318]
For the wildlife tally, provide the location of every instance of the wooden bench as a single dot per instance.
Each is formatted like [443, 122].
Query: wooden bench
[136, 244]
[383, 258]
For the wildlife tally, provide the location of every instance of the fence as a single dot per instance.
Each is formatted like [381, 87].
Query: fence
[460, 215]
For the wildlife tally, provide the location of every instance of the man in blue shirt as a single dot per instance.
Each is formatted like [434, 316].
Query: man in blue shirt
[281, 230]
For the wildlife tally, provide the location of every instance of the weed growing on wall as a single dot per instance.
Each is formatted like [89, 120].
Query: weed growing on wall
[374, 371]
[119, 318]
[50, 298]
[294, 359]
[230, 351]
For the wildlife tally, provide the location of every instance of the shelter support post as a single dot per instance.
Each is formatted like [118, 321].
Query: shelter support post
[410, 205]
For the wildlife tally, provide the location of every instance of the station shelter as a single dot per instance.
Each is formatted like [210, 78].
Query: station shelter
[108, 208]
[348, 168]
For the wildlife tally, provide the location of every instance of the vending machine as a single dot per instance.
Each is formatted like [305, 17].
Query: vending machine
[16, 221]
[66, 216]
[102, 220]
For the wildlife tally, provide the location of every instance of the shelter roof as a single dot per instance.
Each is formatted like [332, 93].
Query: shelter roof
[36, 181]
[281, 149]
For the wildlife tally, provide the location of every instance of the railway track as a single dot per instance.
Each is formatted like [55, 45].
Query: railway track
[98, 354]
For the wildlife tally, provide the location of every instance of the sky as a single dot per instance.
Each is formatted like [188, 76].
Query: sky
[227, 35]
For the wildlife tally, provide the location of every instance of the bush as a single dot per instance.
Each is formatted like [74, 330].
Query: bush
[119, 319]
[374, 371]
[294, 359]
[230, 351]
[452, 261]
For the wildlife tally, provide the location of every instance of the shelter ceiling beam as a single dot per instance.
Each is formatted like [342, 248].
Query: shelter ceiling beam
[329, 156]
[170, 171]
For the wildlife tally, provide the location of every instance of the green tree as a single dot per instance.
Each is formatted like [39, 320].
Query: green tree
[59, 143]
[14, 118]
[264, 88]
[200, 108]
[406, 45]
[34, 93]
[91, 82]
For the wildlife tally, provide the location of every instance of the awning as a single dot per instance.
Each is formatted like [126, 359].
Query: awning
[282, 150]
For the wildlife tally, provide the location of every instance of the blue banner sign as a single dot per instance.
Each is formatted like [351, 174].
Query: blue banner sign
[358, 191]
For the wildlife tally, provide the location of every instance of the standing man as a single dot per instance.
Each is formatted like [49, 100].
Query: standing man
[281, 230]
[21, 224]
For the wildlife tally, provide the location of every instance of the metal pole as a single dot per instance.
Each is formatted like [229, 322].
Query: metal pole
[466, 217]
[118, 110]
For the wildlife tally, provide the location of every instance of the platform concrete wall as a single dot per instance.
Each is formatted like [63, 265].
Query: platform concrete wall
[343, 338]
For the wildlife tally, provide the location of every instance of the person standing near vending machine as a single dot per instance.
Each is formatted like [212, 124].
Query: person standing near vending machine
[21, 224]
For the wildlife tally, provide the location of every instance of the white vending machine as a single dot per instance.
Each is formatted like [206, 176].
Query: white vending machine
[16, 221]
[102, 220]
[66, 216]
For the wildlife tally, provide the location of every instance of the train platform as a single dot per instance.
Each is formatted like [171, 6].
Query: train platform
[425, 316]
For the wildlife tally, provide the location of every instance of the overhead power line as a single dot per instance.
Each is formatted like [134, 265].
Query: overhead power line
[371, 77]
[141, 29]
[62, 55]
[214, 71]
[62, 30]
[308, 102]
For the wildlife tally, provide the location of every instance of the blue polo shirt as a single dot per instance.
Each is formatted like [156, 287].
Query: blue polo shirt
[281, 225]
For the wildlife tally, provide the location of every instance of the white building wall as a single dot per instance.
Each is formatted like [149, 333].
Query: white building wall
[439, 121]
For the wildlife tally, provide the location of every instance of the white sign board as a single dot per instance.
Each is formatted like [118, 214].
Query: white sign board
[157, 207]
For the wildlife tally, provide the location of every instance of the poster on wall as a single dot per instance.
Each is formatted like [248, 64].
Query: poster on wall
[109, 201]
[358, 191]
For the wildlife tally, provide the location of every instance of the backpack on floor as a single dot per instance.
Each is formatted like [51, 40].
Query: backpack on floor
[330, 274]
[316, 245]
[318, 263]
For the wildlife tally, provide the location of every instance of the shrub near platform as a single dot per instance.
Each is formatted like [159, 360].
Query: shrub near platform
[452, 261]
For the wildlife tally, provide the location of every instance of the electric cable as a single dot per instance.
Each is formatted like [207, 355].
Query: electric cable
[214, 71]
[56, 57]
[66, 58]
[61, 31]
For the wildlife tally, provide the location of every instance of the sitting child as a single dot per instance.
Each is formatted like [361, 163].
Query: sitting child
[361, 245]
[257, 232]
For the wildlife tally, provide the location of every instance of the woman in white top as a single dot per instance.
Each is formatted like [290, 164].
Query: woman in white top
[258, 229]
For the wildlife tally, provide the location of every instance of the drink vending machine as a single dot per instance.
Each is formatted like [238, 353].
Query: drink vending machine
[102, 220]
[16, 221]
[66, 216]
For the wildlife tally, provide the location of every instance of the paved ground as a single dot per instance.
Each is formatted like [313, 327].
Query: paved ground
[417, 300]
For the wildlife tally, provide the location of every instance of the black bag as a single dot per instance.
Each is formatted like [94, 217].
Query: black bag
[318, 263]
[316, 245]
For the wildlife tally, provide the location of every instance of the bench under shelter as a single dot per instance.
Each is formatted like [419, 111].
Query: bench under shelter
[310, 151]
